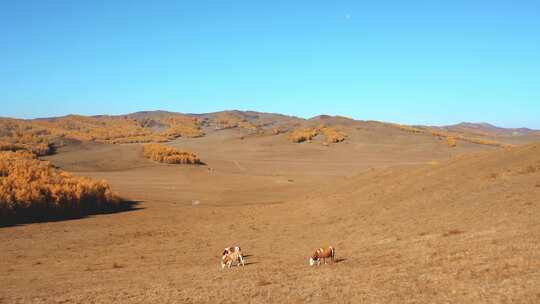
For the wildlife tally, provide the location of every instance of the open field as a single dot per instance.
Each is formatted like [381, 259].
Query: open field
[413, 220]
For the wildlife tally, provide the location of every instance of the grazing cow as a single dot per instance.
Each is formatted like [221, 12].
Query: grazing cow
[322, 254]
[231, 255]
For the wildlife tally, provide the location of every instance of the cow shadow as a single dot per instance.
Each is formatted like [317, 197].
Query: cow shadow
[339, 260]
[247, 263]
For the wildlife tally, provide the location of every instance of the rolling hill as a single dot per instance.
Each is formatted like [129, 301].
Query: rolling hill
[413, 218]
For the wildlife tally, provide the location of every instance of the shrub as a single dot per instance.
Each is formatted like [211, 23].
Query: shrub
[452, 232]
[30, 187]
[278, 130]
[451, 141]
[169, 155]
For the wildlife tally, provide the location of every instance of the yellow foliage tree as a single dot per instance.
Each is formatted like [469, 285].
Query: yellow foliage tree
[169, 155]
[29, 186]
[332, 134]
[39, 136]
[301, 135]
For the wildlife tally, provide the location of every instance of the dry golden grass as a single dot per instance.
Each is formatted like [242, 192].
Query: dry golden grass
[164, 154]
[388, 224]
[30, 187]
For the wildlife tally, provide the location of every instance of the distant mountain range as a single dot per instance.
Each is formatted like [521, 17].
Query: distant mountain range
[486, 128]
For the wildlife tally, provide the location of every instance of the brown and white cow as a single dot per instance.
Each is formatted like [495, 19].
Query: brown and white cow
[231, 255]
[322, 254]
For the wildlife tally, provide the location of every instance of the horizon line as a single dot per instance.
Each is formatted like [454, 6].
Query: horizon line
[273, 113]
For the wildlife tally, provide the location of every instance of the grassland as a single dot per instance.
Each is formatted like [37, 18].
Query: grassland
[414, 219]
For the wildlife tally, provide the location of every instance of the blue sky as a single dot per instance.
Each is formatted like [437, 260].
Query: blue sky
[415, 62]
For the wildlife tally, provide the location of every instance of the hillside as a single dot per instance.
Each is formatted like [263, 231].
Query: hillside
[413, 218]
[43, 136]
[464, 230]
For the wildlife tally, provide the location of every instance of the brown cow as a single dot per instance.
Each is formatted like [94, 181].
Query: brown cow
[231, 255]
[322, 254]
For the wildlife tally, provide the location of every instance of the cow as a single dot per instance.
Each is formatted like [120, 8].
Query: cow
[322, 254]
[231, 255]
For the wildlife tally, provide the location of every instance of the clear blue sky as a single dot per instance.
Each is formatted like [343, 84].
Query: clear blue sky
[416, 62]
